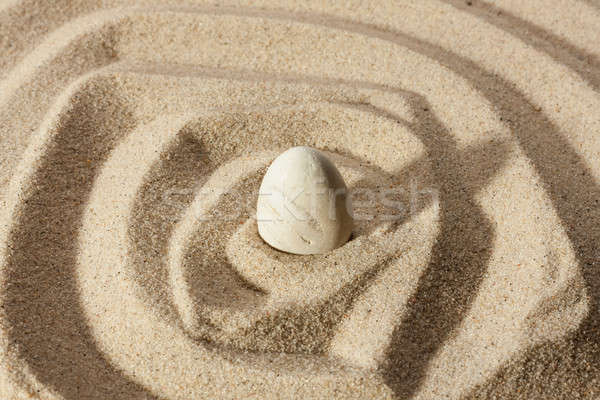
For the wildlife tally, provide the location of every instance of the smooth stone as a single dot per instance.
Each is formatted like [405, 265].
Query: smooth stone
[303, 204]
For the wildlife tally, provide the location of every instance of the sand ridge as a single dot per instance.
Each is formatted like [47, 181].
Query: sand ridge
[134, 135]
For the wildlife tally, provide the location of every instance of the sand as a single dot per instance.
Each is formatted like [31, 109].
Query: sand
[134, 136]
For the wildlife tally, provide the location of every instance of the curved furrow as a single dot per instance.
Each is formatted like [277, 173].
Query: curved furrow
[106, 224]
[578, 52]
[39, 254]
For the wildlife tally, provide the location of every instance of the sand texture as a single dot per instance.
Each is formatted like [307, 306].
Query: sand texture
[134, 136]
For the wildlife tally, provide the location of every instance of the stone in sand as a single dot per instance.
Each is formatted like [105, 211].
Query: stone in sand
[303, 205]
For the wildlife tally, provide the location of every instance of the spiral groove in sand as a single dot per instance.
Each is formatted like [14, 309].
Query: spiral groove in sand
[134, 138]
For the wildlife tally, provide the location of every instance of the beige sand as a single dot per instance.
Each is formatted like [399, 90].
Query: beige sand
[134, 135]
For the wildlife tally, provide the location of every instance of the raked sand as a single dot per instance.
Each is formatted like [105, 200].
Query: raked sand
[134, 136]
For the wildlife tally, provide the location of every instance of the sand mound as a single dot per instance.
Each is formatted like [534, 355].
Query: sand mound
[134, 136]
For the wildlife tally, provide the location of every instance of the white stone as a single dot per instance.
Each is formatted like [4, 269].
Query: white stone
[303, 205]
